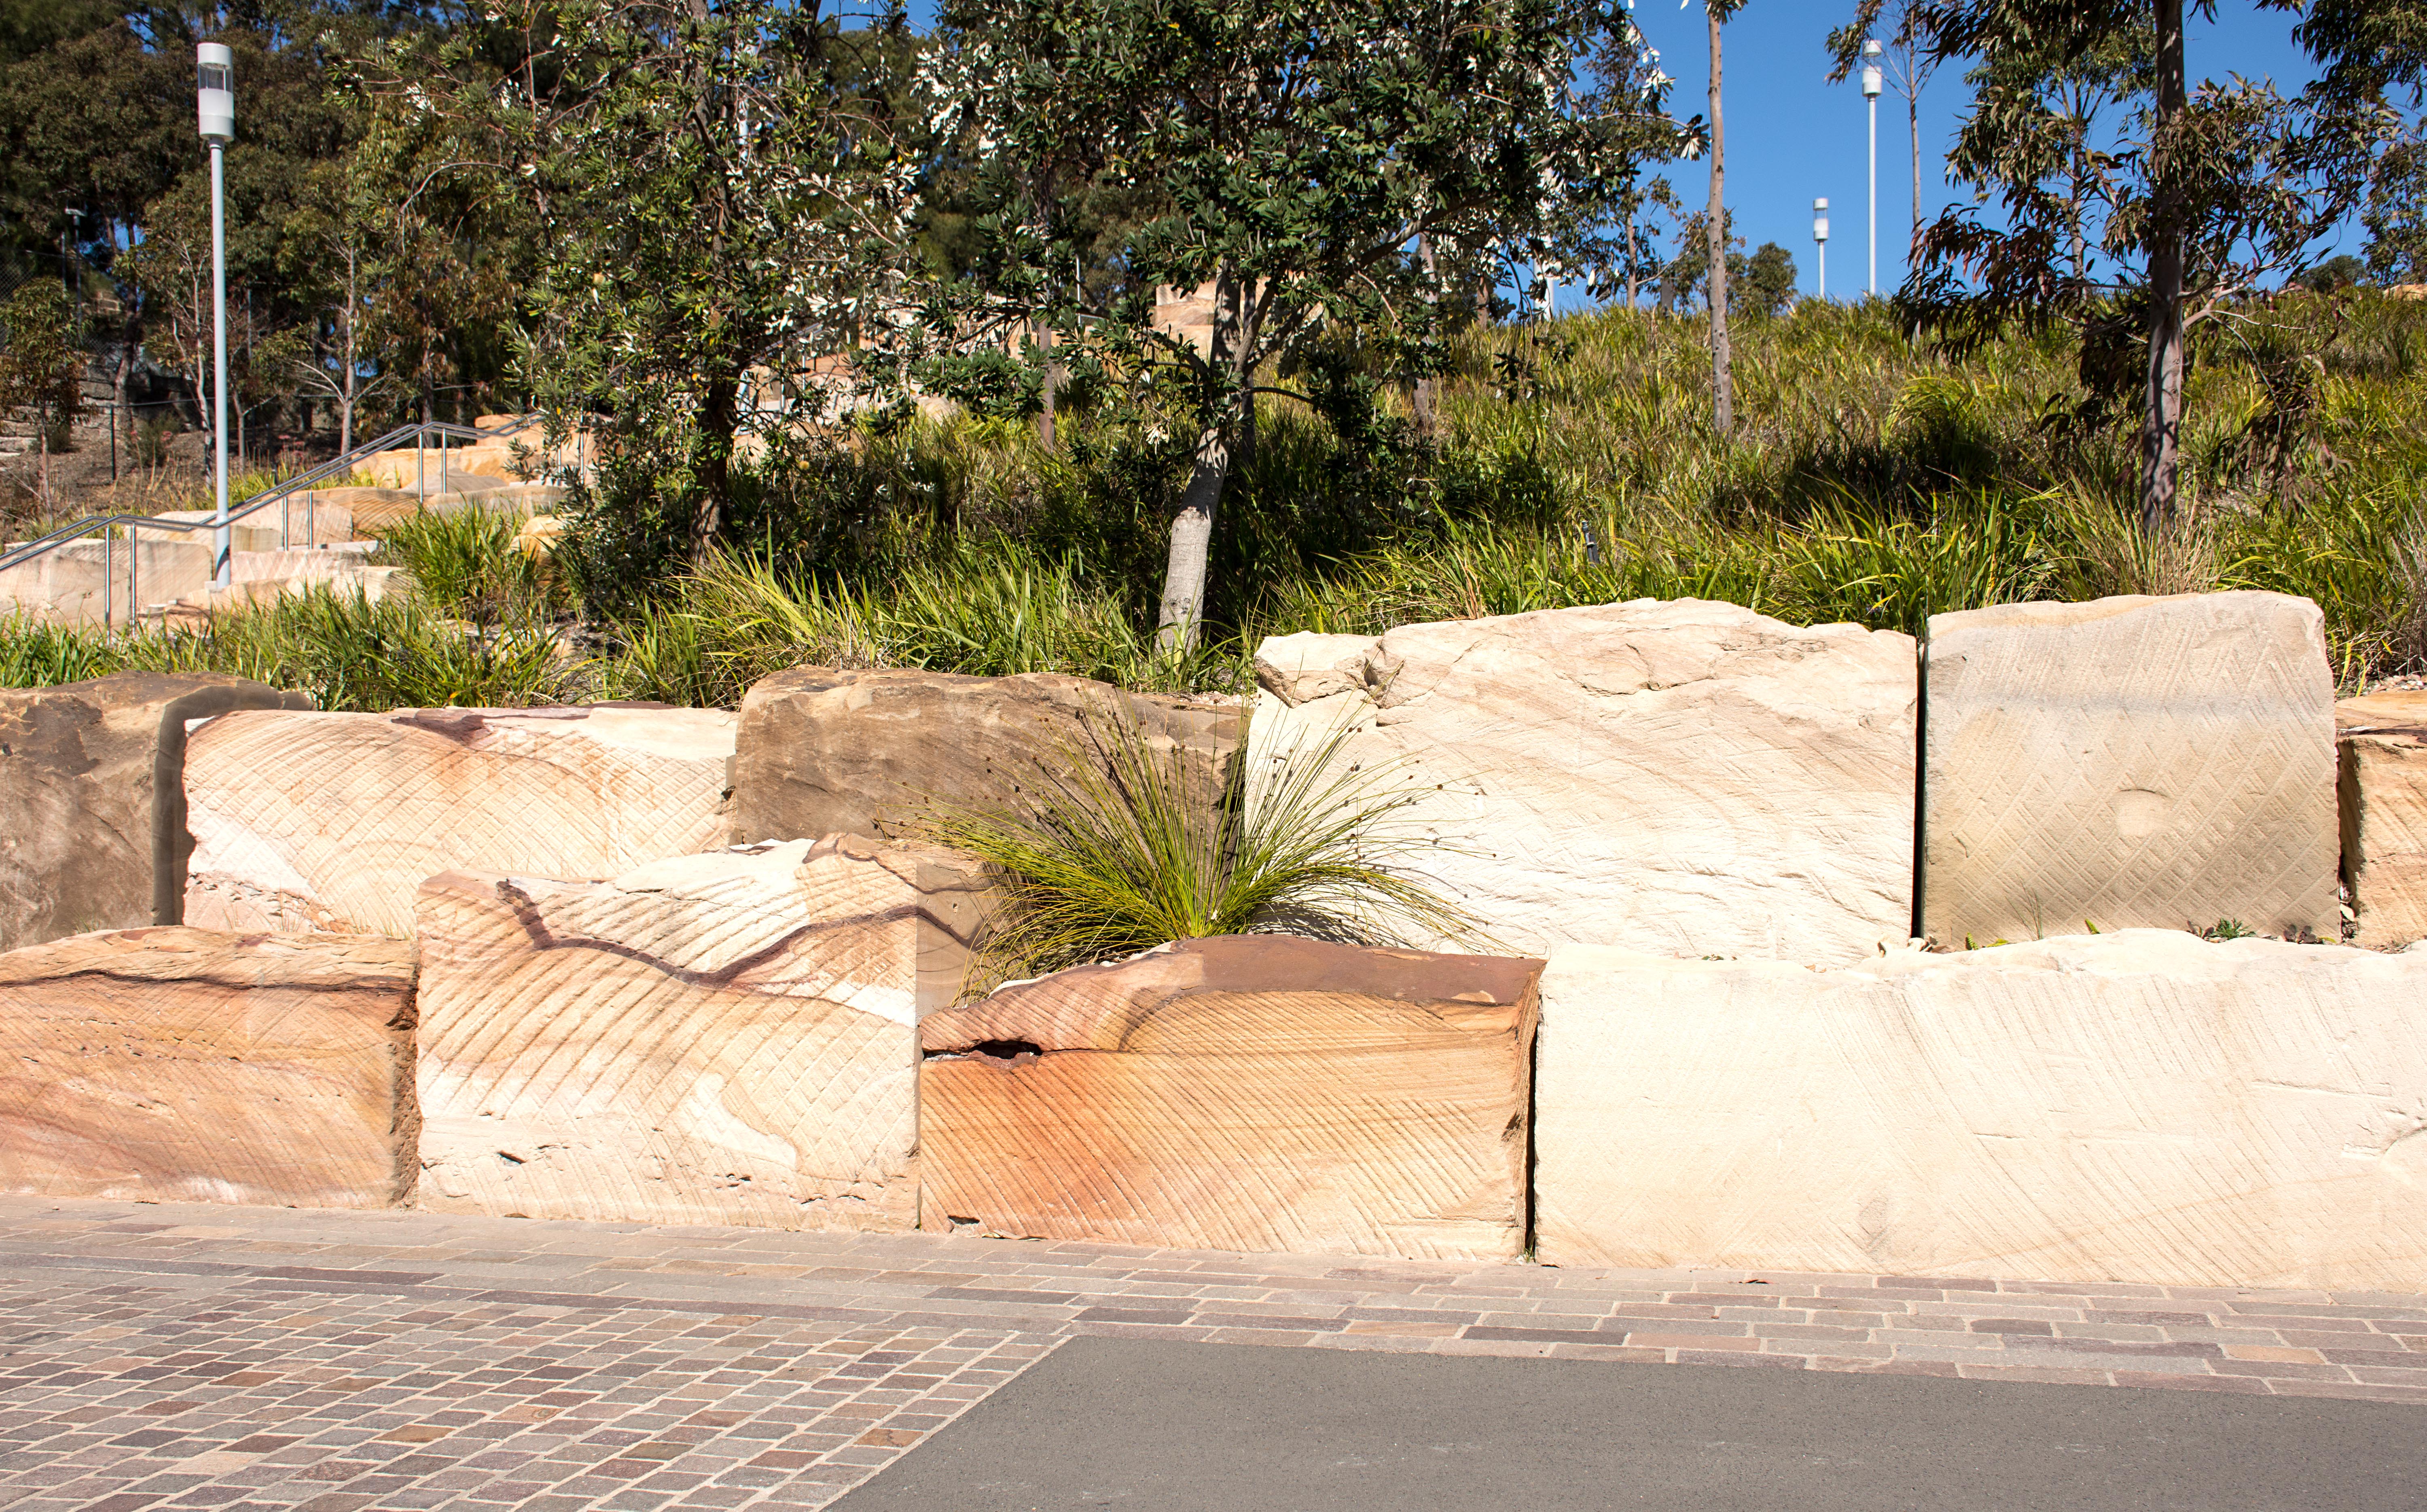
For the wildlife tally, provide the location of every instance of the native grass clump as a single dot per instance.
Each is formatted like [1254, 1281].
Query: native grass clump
[1127, 844]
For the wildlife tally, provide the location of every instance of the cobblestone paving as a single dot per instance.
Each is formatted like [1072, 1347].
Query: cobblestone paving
[171, 1356]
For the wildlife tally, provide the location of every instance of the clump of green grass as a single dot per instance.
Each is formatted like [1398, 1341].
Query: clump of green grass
[467, 563]
[33, 654]
[349, 652]
[1128, 846]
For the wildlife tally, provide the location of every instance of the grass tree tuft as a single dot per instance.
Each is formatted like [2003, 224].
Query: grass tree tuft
[1132, 843]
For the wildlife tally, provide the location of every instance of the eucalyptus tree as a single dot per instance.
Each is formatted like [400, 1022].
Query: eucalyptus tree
[2208, 194]
[1333, 171]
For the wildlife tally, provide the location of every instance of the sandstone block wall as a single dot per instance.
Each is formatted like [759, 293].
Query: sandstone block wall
[2159, 763]
[332, 822]
[92, 820]
[822, 751]
[2384, 791]
[1244, 1092]
[182, 1065]
[2143, 1106]
[726, 1038]
[1687, 777]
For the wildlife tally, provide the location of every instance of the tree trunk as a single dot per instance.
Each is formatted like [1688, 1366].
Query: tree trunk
[127, 336]
[1191, 529]
[1192, 539]
[1052, 382]
[1243, 381]
[1630, 257]
[1913, 129]
[2161, 424]
[1716, 236]
[718, 417]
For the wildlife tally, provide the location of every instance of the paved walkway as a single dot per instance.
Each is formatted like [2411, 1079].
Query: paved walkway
[155, 1357]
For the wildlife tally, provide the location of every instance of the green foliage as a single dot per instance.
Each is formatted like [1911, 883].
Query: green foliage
[347, 652]
[723, 199]
[1400, 161]
[350, 653]
[465, 564]
[1130, 845]
[1764, 284]
[988, 610]
[40, 367]
[36, 654]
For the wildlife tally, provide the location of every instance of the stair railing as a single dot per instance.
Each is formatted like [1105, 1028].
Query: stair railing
[419, 433]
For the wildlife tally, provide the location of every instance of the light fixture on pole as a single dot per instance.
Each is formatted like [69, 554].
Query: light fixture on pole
[215, 105]
[1872, 92]
[1820, 235]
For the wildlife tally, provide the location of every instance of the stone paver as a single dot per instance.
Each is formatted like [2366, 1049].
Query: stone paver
[156, 1357]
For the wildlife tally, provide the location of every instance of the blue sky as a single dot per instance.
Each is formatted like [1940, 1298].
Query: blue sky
[1793, 136]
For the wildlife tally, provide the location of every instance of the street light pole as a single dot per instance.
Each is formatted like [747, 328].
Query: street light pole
[214, 107]
[1820, 235]
[1872, 92]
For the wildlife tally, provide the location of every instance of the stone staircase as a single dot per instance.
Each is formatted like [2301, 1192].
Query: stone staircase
[315, 538]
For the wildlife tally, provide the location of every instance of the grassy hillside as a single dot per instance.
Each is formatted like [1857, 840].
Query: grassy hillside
[1871, 480]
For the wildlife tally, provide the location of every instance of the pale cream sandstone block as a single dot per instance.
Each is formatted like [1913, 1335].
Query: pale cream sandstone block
[183, 1066]
[1253, 1092]
[2145, 1106]
[332, 822]
[2384, 786]
[2129, 762]
[1690, 777]
[726, 1038]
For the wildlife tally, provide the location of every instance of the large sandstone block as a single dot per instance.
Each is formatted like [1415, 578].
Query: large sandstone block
[183, 1066]
[331, 821]
[92, 818]
[1244, 1092]
[728, 1038]
[2159, 762]
[861, 752]
[2143, 1106]
[1687, 777]
[2384, 791]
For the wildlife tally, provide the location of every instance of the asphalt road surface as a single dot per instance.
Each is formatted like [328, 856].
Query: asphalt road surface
[1190, 1428]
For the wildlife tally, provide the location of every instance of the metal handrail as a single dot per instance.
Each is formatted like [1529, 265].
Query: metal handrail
[394, 440]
